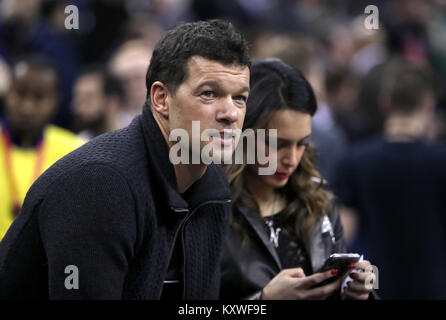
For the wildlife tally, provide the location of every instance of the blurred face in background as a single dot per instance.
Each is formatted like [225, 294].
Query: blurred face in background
[32, 98]
[89, 101]
[130, 65]
[293, 133]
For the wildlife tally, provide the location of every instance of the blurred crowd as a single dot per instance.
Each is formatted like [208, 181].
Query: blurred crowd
[363, 79]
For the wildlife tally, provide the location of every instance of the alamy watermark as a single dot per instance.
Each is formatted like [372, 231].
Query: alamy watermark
[72, 280]
[260, 148]
[371, 21]
[72, 20]
[372, 281]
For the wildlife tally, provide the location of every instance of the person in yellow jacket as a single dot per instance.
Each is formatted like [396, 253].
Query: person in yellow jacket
[29, 144]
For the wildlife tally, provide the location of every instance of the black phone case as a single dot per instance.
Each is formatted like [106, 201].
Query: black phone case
[336, 263]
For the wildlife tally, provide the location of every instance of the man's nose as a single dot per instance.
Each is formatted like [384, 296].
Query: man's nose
[227, 112]
[27, 106]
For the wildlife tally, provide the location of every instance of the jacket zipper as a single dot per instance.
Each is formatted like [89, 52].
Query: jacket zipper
[181, 227]
[182, 238]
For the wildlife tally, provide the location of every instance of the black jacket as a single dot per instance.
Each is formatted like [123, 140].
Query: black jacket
[111, 208]
[248, 266]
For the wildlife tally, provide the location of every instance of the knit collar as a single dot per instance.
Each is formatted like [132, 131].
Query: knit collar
[212, 186]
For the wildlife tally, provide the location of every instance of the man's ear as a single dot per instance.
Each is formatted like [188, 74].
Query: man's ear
[158, 97]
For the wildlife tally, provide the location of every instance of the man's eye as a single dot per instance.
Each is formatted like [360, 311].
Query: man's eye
[241, 98]
[208, 94]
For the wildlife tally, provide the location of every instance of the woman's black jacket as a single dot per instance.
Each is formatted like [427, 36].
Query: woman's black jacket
[248, 266]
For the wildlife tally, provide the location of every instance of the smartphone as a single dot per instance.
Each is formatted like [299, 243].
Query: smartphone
[339, 261]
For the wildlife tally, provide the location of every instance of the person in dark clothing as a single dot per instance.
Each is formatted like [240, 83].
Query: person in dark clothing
[393, 189]
[284, 225]
[115, 219]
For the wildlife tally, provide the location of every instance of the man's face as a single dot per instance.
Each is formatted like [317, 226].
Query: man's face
[32, 98]
[214, 94]
[89, 102]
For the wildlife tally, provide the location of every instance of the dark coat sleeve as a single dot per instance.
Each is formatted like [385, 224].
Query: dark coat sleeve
[88, 221]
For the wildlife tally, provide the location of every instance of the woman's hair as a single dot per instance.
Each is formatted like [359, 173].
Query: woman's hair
[277, 86]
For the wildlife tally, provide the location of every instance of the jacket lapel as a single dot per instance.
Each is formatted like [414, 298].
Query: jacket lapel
[257, 224]
[316, 245]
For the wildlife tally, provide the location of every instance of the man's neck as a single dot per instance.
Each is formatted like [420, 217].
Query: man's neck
[186, 174]
[405, 128]
[27, 139]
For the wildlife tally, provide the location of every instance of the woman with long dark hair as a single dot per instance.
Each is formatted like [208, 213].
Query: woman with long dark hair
[284, 226]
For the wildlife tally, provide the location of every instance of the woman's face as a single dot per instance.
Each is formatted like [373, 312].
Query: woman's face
[293, 133]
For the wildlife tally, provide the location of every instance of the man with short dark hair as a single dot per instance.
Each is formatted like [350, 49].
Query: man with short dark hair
[116, 219]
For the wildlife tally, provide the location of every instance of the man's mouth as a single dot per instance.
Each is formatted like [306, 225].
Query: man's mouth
[226, 137]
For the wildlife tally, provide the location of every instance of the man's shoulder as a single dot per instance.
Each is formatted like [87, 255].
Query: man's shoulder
[84, 175]
[120, 152]
[120, 149]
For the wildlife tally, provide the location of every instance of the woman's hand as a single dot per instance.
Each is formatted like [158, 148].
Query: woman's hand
[361, 286]
[292, 284]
